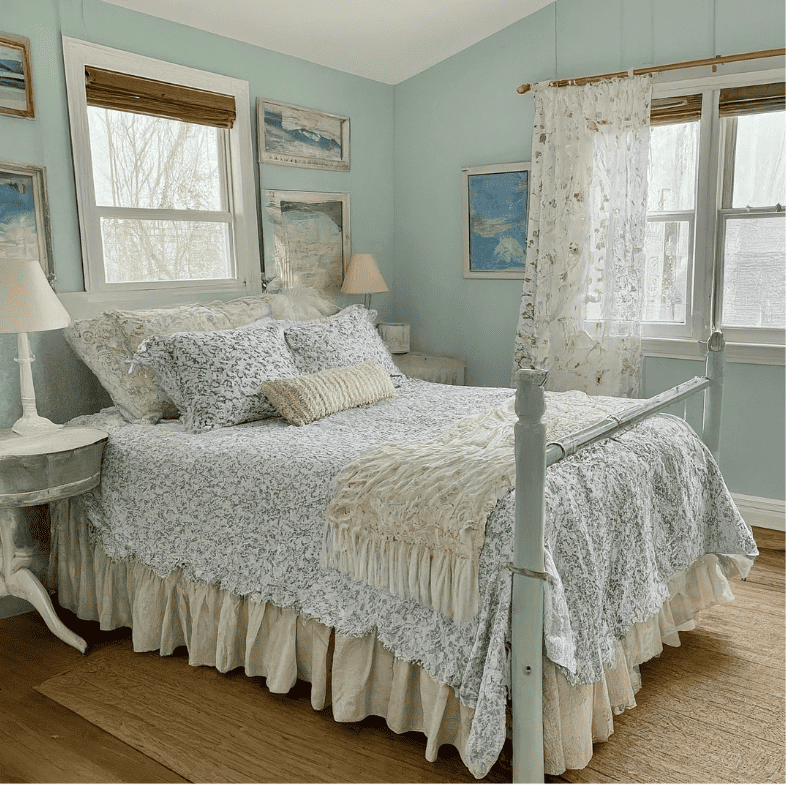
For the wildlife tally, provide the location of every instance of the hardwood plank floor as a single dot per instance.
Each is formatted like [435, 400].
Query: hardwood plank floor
[709, 711]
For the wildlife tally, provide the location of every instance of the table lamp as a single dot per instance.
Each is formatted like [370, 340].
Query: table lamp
[363, 277]
[28, 304]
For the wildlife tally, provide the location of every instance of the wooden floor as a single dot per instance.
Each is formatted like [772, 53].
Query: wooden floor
[709, 711]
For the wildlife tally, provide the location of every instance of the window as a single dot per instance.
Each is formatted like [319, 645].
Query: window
[715, 243]
[164, 174]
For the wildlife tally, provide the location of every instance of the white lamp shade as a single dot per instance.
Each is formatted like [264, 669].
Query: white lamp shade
[363, 276]
[27, 302]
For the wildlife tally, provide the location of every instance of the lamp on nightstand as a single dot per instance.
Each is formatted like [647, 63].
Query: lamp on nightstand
[363, 277]
[27, 305]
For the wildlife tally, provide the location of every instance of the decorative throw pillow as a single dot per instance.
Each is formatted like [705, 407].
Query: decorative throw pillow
[214, 378]
[243, 310]
[101, 345]
[142, 324]
[303, 399]
[348, 338]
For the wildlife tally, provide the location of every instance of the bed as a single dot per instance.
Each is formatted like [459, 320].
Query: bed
[242, 542]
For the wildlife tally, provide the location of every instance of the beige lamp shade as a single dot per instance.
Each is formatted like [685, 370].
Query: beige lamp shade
[363, 276]
[27, 302]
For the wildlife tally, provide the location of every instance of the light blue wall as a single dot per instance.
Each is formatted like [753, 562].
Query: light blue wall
[465, 112]
[411, 141]
[64, 387]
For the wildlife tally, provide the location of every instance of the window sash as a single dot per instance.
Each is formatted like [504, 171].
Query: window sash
[241, 200]
[755, 335]
[676, 329]
[761, 345]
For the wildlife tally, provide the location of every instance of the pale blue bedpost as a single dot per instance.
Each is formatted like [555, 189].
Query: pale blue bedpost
[527, 613]
[713, 395]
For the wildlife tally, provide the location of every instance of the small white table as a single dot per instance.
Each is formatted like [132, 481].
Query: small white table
[443, 370]
[38, 470]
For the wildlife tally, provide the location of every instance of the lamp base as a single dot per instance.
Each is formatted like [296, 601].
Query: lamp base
[34, 425]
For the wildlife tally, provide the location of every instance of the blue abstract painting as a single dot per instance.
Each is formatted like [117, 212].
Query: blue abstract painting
[24, 213]
[497, 204]
[18, 229]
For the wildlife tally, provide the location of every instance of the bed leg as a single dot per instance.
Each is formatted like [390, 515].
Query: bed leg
[527, 612]
[713, 395]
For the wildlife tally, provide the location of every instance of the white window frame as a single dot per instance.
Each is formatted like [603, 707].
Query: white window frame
[705, 288]
[240, 196]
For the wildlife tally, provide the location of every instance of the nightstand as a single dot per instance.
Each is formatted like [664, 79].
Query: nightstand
[38, 470]
[443, 370]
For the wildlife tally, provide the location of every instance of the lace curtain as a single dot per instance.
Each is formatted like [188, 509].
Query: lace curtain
[583, 292]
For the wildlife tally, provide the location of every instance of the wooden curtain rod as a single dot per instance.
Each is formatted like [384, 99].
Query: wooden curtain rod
[653, 69]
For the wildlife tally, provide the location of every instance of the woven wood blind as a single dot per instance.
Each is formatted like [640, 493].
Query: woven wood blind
[752, 99]
[680, 109]
[126, 93]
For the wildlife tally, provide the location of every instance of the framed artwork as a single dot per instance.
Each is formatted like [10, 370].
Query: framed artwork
[24, 214]
[293, 136]
[16, 78]
[311, 245]
[495, 200]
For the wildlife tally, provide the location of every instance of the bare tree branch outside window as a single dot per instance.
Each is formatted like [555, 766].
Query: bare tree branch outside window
[156, 164]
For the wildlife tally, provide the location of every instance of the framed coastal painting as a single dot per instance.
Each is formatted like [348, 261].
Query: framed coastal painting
[16, 78]
[24, 214]
[294, 136]
[310, 237]
[495, 201]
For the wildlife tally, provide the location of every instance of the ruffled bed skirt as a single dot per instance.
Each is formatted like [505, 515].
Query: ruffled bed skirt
[356, 676]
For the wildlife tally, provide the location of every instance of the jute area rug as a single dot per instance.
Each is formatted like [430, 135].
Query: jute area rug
[212, 727]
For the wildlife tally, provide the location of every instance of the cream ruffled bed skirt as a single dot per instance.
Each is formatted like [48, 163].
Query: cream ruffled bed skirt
[356, 676]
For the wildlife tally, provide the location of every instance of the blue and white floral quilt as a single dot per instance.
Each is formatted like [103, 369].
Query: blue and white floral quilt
[244, 508]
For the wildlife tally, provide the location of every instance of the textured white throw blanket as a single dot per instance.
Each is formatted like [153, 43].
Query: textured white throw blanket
[411, 519]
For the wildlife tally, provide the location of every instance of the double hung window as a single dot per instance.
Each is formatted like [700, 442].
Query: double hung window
[164, 175]
[715, 244]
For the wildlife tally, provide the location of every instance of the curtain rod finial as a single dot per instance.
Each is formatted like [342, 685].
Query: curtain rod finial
[525, 88]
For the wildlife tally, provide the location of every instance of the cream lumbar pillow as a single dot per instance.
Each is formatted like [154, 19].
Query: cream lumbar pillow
[311, 396]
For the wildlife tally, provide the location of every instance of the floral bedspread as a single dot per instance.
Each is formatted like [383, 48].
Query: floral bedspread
[244, 508]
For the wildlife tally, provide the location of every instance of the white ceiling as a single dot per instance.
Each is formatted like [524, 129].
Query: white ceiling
[384, 40]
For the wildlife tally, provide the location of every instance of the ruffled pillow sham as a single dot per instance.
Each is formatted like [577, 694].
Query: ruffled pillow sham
[214, 378]
[346, 339]
[107, 342]
[312, 396]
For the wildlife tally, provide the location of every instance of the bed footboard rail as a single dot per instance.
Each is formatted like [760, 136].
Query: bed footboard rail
[533, 456]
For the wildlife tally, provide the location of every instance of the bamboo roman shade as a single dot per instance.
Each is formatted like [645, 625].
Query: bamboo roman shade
[752, 99]
[127, 93]
[680, 109]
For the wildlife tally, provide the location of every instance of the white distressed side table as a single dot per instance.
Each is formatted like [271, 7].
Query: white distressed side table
[38, 470]
[443, 370]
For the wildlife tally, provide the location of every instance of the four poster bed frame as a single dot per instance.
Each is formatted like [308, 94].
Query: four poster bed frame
[533, 456]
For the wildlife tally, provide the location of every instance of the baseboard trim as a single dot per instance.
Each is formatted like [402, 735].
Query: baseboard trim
[764, 513]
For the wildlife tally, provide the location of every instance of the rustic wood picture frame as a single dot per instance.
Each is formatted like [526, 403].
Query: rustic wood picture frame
[16, 77]
[290, 135]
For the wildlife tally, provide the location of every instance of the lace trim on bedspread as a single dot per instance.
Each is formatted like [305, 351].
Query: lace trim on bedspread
[411, 519]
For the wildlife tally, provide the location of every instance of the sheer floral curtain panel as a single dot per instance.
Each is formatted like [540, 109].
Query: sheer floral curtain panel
[583, 293]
